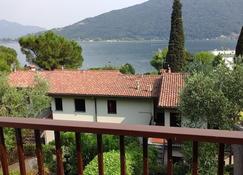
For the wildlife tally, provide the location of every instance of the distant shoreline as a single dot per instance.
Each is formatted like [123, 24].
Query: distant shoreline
[134, 40]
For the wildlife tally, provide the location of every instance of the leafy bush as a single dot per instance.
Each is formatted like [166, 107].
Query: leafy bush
[89, 150]
[111, 164]
[29, 149]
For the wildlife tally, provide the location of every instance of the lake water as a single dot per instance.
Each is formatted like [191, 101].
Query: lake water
[137, 53]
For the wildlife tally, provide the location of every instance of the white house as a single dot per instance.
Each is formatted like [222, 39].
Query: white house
[109, 96]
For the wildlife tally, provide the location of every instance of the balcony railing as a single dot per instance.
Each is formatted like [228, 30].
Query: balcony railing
[122, 130]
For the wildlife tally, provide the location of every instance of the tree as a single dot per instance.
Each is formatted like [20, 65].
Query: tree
[203, 62]
[158, 59]
[50, 51]
[8, 59]
[239, 46]
[204, 57]
[239, 49]
[211, 100]
[127, 69]
[175, 58]
[26, 102]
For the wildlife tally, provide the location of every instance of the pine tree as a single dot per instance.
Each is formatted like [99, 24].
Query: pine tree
[239, 47]
[175, 58]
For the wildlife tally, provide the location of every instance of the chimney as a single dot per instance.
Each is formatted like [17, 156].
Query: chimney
[169, 69]
[162, 71]
[150, 88]
[138, 85]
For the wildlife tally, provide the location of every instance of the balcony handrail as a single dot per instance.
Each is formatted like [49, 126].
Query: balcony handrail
[174, 133]
[221, 137]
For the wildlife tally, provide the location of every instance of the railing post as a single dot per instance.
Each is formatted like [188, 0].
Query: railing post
[100, 154]
[221, 159]
[60, 168]
[39, 153]
[195, 158]
[3, 154]
[122, 156]
[145, 156]
[20, 149]
[169, 158]
[79, 154]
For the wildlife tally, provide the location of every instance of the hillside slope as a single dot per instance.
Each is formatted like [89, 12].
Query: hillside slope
[151, 20]
[14, 30]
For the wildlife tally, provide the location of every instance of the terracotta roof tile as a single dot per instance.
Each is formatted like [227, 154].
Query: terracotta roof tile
[172, 84]
[91, 82]
[165, 87]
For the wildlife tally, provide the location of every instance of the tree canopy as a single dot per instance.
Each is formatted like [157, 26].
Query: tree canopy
[127, 69]
[175, 58]
[26, 102]
[214, 98]
[158, 59]
[50, 51]
[8, 59]
[239, 48]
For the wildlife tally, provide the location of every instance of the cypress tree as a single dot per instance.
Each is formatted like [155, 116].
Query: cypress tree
[175, 58]
[239, 46]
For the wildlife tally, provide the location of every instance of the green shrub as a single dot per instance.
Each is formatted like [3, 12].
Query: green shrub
[12, 173]
[111, 164]
[29, 150]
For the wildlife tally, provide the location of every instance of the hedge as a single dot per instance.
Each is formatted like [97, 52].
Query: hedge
[111, 164]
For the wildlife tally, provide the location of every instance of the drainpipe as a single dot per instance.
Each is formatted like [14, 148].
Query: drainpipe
[95, 117]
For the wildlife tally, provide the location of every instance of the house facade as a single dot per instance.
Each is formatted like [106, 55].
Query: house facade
[109, 96]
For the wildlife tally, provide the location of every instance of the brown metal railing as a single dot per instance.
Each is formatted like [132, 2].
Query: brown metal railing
[122, 130]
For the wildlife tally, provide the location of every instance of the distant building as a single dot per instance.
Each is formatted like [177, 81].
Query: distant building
[228, 55]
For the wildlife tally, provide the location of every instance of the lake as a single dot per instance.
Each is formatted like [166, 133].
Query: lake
[137, 53]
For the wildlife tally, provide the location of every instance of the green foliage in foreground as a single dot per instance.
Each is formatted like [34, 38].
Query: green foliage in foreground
[207, 157]
[89, 146]
[214, 98]
[50, 51]
[111, 164]
[211, 100]
[23, 102]
[17, 102]
[8, 59]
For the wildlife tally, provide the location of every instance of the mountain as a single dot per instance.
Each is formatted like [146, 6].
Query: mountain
[151, 20]
[14, 30]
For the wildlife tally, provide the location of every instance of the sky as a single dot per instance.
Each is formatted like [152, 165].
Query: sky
[57, 13]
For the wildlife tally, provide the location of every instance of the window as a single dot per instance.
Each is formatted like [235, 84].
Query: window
[160, 119]
[79, 105]
[175, 120]
[111, 106]
[58, 103]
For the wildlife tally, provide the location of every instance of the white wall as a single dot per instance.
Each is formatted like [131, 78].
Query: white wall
[130, 111]
[69, 113]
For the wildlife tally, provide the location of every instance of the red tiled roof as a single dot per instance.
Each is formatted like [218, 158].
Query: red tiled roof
[91, 82]
[165, 87]
[172, 84]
